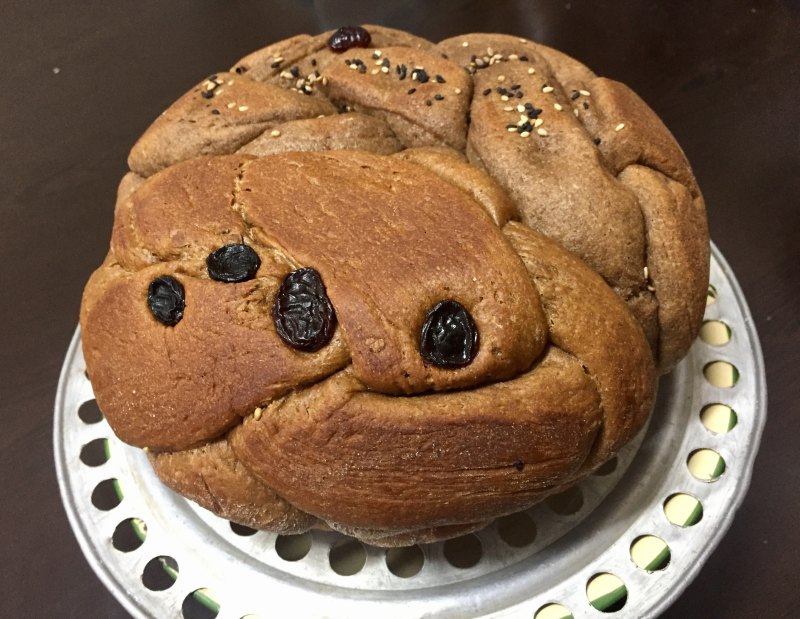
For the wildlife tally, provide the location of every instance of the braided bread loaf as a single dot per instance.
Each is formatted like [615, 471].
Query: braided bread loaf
[338, 292]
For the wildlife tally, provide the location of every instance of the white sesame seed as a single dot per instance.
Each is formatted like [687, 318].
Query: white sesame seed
[275, 133]
[523, 41]
[575, 111]
[525, 134]
[220, 91]
[520, 108]
[645, 272]
[489, 51]
[299, 83]
[324, 81]
[379, 62]
[619, 127]
[508, 108]
[650, 288]
[465, 44]
[210, 85]
[538, 122]
[547, 89]
[378, 53]
[230, 82]
[257, 413]
[277, 59]
[231, 105]
[522, 120]
[457, 91]
[531, 71]
[585, 93]
[513, 57]
[504, 98]
[558, 107]
[501, 78]
[243, 108]
[542, 132]
[287, 76]
[384, 69]
[375, 71]
[511, 129]
[353, 65]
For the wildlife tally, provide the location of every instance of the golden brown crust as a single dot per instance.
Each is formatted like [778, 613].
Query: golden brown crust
[350, 435]
[212, 477]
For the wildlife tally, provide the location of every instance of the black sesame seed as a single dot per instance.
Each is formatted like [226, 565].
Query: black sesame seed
[519, 94]
[207, 94]
[376, 54]
[275, 64]
[362, 68]
[215, 112]
[575, 94]
[313, 62]
[596, 140]
[585, 105]
[528, 106]
[422, 76]
[501, 91]
[402, 71]
[440, 79]
[411, 91]
[515, 87]
[386, 63]
[428, 102]
[523, 58]
[295, 71]
[438, 97]
[445, 56]
[240, 69]
[526, 126]
[533, 113]
[487, 92]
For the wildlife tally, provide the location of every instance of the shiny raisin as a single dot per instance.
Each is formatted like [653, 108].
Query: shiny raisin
[349, 36]
[165, 296]
[233, 263]
[449, 337]
[303, 314]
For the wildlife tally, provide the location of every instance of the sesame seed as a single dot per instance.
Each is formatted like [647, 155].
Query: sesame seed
[257, 413]
[619, 127]
[547, 89]
[420, 75]
[522, 41]
[645, 272]
[275, 133]
[215, 112]
[479, 62]
[525, 134]
[275, 65]
[278, 59]
[220, 91]
[515, 87]
[243, 108]
[411, 91]
[386, 62]
[295, 71]
[375, 71]
[519, 94]
[313, 62]
[575, 111]
[489, 51]
[486, 92]
[585, 93]
[523, 58]
[531, 71]
[384, 69]
[438, 97]
[362, 68]
[240, 69]
[465, 44]
[324, 81]
[428, 102]
[377, 54]
[353, 65]
[230, 82]
[504, 98]
[538, 122]
[501, 78]
[231, 105]
[457, 91]
[508, 108]
[585, 105]
[513, 57]
[440, 79]
[207, 94]
[511, 128]
[520, 108]
[287, 76]
[575, 94]
[542, 132]
[558, 107]
[650, 288]
[596, 141]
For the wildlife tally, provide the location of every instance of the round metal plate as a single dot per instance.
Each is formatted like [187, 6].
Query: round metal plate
[517, 567]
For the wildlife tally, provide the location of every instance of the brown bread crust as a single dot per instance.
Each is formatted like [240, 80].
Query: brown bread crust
[289, 154]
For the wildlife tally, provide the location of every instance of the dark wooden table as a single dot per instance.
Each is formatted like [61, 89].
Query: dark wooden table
[82, 80]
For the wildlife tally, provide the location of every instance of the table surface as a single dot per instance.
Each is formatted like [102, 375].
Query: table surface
[83, 80]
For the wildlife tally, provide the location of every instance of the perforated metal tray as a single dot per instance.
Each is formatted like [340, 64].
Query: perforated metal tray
[624, 542]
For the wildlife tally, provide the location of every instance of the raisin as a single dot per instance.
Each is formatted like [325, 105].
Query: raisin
[233, 263]
[165, 296]
[449, 337]
[349, 36]
[303, 314]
